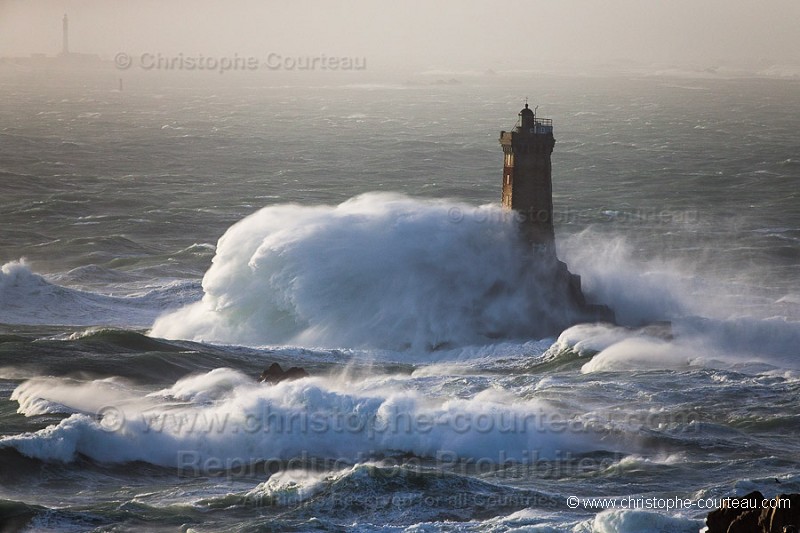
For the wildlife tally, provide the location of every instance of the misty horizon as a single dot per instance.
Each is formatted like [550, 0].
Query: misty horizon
[469, 37]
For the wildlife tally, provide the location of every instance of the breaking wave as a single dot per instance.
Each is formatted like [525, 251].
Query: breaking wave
[377, 271]
[224, 419]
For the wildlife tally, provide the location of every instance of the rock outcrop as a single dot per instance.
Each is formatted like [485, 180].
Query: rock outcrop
[747, 514]
[276, 374]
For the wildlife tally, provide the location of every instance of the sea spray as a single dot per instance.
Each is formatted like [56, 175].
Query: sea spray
[377, 271]
[223, 417]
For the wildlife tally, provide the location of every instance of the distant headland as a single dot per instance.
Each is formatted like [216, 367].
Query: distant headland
[65, 58]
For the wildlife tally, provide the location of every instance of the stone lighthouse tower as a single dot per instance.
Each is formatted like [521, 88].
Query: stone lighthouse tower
[527, 176]
[65, 36]
[528, 191]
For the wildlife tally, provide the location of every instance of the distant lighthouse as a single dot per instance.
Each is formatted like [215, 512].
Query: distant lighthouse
[527, 176]
[65, 36]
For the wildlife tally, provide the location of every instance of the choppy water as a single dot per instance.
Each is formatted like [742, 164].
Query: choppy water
[354, 230]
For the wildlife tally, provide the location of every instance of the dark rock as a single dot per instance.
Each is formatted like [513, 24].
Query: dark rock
[785, 514]
[746, 522]
[295, 372]
[276, 374]
[720, 520]
[746, 515]
[586, 312]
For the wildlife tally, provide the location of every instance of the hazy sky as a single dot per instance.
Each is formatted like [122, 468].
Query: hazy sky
[432, 34]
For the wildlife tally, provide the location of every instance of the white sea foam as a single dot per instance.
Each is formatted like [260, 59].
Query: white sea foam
[710, 327]
[377, 271]
[587, 339]
[749, 345]
[639, 354]
[627, 521]
[301, 484]
[222, 418]
[41, 395]
[638, 292]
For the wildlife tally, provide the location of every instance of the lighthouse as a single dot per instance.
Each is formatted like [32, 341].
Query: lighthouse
[528, 192]
[527, 176]
[65, 36]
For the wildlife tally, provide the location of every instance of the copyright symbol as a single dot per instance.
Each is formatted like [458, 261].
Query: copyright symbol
[122, 60]
[573, 502]
[455, 215]
[110, 418]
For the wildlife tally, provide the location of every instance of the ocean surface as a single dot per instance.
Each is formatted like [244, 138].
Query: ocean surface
[162, 245]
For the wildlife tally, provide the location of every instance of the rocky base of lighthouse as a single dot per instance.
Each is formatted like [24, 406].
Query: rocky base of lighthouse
[565, 295]
[546, 297]
[584, 311]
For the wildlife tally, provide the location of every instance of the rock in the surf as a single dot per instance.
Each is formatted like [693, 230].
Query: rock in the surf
[276, 374]
[746, 515]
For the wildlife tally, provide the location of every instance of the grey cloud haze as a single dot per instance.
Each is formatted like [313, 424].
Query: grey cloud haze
[446, 34]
